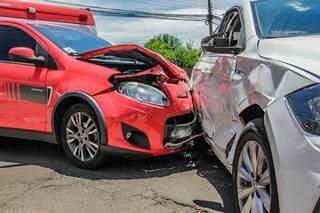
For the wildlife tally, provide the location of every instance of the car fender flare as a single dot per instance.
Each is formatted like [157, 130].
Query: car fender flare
[92, 103]
[249, 127]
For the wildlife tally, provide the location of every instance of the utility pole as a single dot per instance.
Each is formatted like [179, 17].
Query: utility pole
[210, 17]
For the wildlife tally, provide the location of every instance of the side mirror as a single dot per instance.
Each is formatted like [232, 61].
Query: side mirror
[27, 55]
[219, 44]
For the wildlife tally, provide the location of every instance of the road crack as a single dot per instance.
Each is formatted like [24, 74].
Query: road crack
[164, 201]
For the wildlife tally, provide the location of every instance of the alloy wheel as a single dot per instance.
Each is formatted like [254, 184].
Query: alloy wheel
[82, 136]
[253, 180]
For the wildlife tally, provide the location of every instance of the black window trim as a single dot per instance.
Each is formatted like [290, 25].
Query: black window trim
[18, 63]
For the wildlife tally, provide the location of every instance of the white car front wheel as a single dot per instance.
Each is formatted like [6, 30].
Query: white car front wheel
[253, 172]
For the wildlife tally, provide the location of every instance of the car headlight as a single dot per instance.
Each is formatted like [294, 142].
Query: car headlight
[305, 104]
[144, 93]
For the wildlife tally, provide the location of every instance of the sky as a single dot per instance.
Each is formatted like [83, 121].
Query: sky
[137, 30]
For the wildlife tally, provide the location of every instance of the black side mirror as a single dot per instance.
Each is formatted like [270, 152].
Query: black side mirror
[220, 41]
[219, 44]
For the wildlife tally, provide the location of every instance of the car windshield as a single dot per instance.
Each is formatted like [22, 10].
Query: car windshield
[71, 41]
[280, 18]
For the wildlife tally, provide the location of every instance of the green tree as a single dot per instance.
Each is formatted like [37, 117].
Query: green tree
[182, 54]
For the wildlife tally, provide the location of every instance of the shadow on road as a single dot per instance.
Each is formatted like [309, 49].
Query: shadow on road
[209, 167]
[21, 153]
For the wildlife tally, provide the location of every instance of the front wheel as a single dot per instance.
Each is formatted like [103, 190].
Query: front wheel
[254, 179]
[81, 137]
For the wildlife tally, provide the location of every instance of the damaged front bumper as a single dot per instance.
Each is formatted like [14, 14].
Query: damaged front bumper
[181, 131]
[146, 128]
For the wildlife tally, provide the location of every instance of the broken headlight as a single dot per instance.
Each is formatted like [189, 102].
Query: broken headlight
[144, 93]
[305, 104]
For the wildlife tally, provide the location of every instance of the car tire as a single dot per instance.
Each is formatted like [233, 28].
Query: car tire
[81, 137]
[254, 180]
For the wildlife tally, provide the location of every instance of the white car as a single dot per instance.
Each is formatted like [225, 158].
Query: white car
[257, 93]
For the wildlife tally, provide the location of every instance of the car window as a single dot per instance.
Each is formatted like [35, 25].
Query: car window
[231, 28]
[286, 18]
[11, 37]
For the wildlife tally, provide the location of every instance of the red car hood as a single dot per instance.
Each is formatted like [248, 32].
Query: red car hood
[173, 69]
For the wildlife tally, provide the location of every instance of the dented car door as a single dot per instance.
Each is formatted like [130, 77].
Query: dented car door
[213, 77]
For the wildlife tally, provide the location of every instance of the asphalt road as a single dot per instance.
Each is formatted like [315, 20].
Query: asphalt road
[37, 177]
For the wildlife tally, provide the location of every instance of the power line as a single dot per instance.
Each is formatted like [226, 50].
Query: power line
[167, 3]
[106, 11]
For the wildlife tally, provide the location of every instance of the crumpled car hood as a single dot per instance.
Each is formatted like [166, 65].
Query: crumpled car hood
[114, 50]
[302, 52]
[156, 72]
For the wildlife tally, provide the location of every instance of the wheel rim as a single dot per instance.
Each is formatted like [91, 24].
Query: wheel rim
[82, 136]
[253, 180]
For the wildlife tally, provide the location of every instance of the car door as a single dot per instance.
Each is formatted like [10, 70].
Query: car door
[23, 91]
[218, 70]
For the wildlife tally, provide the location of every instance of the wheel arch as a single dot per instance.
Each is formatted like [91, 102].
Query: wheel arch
[72, 98]
[250, 113]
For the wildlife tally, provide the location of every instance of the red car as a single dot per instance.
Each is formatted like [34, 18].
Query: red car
[61, 83]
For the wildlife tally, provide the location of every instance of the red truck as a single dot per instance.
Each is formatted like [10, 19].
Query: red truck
[82, 19]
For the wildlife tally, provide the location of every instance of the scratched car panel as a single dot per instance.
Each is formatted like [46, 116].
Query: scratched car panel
[254, 85]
